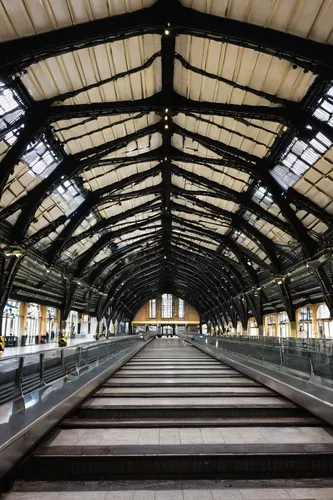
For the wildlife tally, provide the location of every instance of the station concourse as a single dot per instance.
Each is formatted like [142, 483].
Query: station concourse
[166, 258]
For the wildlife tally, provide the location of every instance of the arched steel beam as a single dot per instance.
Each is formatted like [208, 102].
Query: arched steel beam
[125, 282]
[201, 262]
[147, 280]
[248, 270]
[65, 239]
[215, 190]
[259, 168]
[87, 256]
[66, 169]
[140, 258]
[144, 264]
[201, 270]
[234, 273]
[237, 222]
[118, 255]
[122, 279]
[179, 104]
[309, 54]
[19, 54]
[227, 242]
[283, 45]
[152, 206]
[221, 192]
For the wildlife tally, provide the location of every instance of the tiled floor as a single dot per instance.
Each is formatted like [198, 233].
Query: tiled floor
[206, 435]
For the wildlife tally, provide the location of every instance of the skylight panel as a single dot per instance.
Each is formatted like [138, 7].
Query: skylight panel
[302, 155]
[69, 195]
[41, 158]
[10, 107]
[8, 100]
[263, 196]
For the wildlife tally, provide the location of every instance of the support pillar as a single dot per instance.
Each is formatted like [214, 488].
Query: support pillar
[292, 329]
[62, 322]
[79, 323]
[57, 321]
[277, 326]
[261, 330]
[42, 322]
[314, 320]
[173, 329]
[23, 319]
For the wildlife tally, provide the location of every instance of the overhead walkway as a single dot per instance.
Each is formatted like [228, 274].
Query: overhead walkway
[175, 421]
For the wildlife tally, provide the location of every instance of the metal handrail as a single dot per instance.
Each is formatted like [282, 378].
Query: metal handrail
[301, 343]
[28, 374]
[316, 364]
[88, 342]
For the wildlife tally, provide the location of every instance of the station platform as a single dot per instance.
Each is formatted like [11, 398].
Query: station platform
[172, 420]
[36, 348]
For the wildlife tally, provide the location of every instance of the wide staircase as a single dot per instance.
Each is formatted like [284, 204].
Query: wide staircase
[175, 421]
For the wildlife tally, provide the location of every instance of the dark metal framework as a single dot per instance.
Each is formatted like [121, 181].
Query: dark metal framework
[174, 256]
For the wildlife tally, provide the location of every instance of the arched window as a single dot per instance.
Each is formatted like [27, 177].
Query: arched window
[324, 322]
[305, 322]
[152, 309]
[167, 306]
[181, 309]
[283, 324]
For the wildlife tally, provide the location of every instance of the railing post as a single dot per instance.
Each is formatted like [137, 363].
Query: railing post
[281, 356]
[78, 363]
[63, 359]
[41, 367]
[18, 378]
[311, 365]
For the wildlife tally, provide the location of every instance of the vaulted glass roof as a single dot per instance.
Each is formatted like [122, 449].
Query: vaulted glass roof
[169, 146]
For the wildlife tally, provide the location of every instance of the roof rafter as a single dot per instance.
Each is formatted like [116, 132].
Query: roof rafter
[17, 54]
